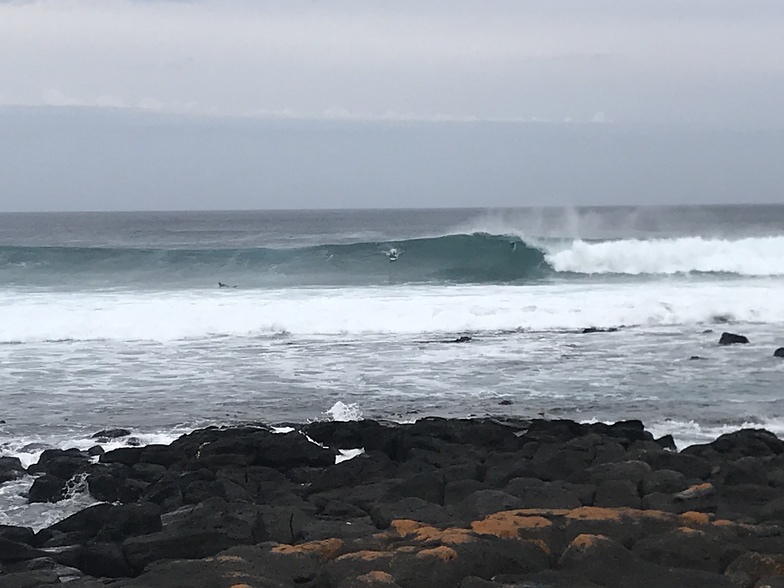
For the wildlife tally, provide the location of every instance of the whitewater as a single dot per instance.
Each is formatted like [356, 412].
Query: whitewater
[117, 320]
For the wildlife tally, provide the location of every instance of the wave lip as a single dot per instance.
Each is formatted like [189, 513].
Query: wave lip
[752, 256]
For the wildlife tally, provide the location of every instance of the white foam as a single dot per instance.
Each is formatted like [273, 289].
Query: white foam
[39, 515]
[408, 310]
[688, 433]
[29, 449]
[344, 412]
[752, 256]
[347, 454]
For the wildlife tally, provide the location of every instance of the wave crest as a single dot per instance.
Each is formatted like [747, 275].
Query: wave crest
[752, 256]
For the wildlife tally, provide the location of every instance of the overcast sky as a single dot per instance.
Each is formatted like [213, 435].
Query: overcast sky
[202, 81]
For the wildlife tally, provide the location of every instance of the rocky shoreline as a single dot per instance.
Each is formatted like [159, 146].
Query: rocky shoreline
[449, 503]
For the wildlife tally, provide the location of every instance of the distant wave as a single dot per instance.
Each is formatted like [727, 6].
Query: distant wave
[752, 256]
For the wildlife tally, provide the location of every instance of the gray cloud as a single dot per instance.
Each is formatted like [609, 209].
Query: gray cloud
[701, 62]
[129, 104]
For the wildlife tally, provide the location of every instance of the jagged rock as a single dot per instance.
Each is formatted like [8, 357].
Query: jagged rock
[732, 339]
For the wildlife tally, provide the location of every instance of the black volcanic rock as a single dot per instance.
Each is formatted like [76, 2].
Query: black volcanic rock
[111, 434]
[10, 469]
[47, 488]
[63, 464]
[732, 339]
[440, 503]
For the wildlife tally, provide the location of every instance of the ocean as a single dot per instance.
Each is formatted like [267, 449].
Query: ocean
[118, 320]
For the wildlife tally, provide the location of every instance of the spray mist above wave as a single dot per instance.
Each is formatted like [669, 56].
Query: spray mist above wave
[752, 256]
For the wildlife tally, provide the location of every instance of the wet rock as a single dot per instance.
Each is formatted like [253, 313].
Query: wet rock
[732, 339]
[589, 330]
[748, 443]
[124, 455]
[111, 434]
[779, 352]
[47, 488]
[95, 451]
[10, 469]
[262, 448]
[63, 464]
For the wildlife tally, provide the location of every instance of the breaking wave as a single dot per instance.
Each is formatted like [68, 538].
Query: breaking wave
[478, 258]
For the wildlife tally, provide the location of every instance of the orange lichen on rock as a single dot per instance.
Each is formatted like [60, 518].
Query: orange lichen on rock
[542, 512]
[365, 555]
[428, 534]
[596, 513]
[376, 577]
[689, 531]
[586, 541]
[696, 491]
[326, 548]
[405, 527]
[541, 544]
[443, 553]
[509, 524]
[695, 518]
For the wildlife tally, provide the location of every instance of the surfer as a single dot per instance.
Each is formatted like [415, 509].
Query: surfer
[393, 254]
[222, 285]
